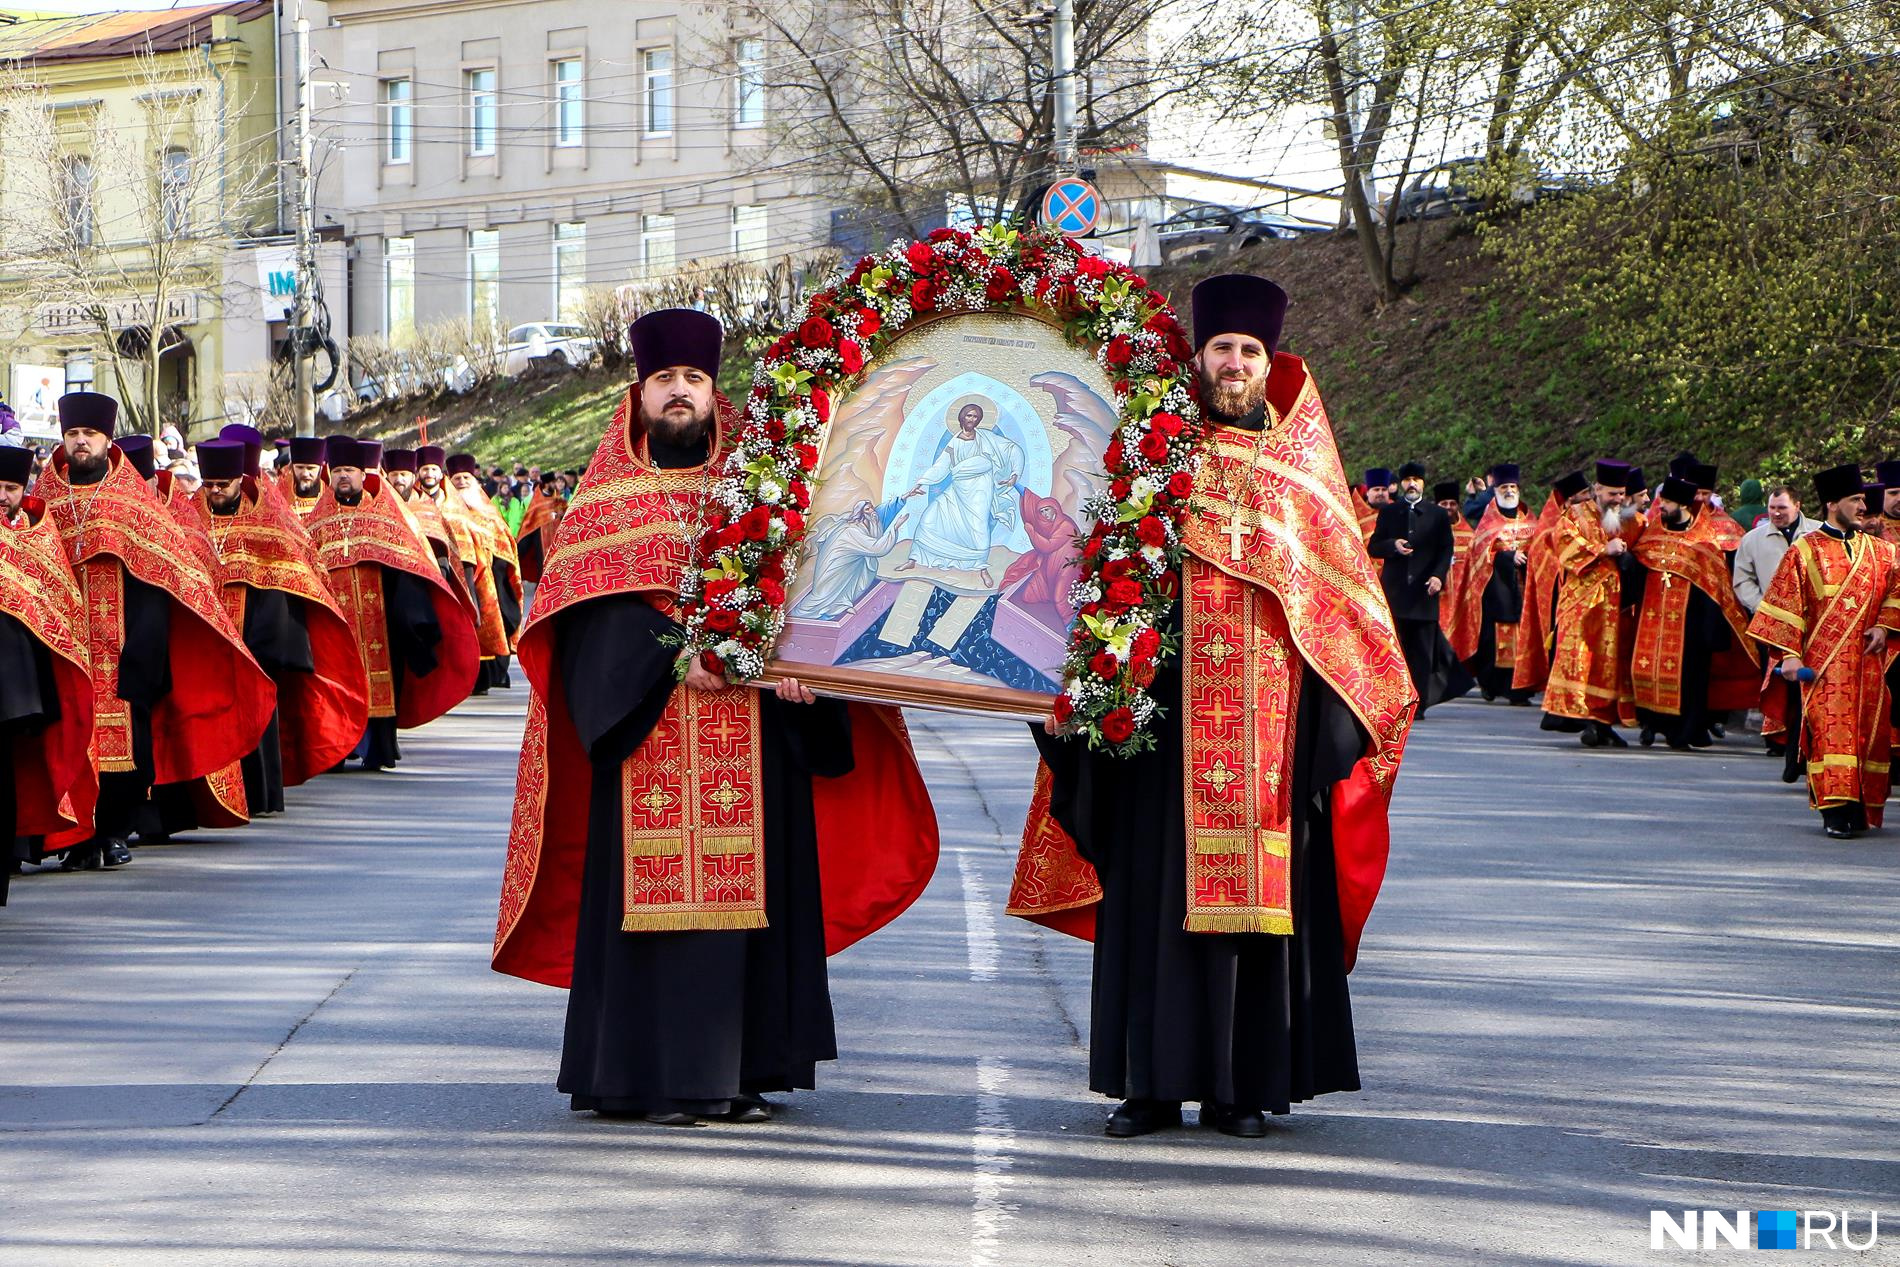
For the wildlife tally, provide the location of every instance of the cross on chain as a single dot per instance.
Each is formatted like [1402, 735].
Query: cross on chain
[1236, 532]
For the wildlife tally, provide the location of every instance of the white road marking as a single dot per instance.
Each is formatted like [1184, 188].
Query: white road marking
[993, 1141]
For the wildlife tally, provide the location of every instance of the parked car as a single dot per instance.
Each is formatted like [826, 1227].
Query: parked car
[1211, 230]
[1445, 191]
[544, 341]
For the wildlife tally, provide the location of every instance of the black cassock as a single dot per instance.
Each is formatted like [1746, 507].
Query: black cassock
[278, 639]
[414, 634]
[662, 1022]
[1705, 634]
[1502, 603]
[1437, 675]
[145, 678]
[496, 670]
[29, 703]
[1252, 1020]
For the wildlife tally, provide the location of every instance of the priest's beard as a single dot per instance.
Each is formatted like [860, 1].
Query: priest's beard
[350, 498]
[307, 488]
[680, 429]
[1234, 398]
[86, 468]
[1678, 520]
[1612, 522]
[1507, 502]
[472, 496]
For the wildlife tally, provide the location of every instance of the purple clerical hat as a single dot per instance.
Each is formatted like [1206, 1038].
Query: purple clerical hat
[253, 441]
[222, 459]
[676, 336]
[1612, 473]
[1506, 473]
[1633, 482]
[343, 451]
[1238, 303]
[399, 460]
[307, 450]
[430, 455]
[93, 411]
[1379, 477]
[461, 464]
[138, 451]
[372, 451]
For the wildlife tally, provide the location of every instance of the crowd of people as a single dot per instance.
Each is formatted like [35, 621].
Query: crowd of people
[1643, 606]
[184, 636]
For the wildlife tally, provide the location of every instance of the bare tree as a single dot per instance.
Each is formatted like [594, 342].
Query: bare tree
[130, 212]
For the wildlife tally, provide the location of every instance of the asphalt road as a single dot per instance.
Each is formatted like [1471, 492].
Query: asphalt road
[1597, 984]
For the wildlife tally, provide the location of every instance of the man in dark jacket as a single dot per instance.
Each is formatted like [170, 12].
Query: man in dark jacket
[1414, 539]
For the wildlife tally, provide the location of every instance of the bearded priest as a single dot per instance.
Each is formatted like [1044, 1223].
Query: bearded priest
[1226, 874]
[685, 852]
[175, 694]
[1585, 693]
[1491, 596]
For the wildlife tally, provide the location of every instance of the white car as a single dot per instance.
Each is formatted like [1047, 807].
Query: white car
[539, 340]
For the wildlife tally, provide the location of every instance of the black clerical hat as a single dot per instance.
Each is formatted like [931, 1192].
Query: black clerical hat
[16, 464]
[1634, 481]
[1612, 472]
[307, 451]
[1238, 303]
[94, 411]
[1888, 473]
[430, 455]
[1683, 465]
[372, 451]
[676, 336]
[221, 459]
[1570, 485]
[461, 464]
[1379, 477]
[1837, 483]
[1703, 476]
[138, 451]
[1445, 491]
[1506, 473]
[1412, 470]
[1677, 490]
[399, 460]
[342, 451]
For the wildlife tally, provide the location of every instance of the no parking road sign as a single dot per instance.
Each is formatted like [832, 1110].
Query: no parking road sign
[1071, 207]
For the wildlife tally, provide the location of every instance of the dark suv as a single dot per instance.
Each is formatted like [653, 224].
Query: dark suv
[1215, 231]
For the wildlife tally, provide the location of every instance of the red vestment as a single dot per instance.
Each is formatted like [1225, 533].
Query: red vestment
[1679, 561]
[54, 784]
[693, 836]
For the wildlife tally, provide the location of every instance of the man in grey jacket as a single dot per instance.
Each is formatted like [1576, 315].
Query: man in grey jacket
[1756, 559]
[1759, 554]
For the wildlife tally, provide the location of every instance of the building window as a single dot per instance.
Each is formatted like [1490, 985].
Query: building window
[399, 120]
[570, 270]
[399, 290]
[484, 279]
[481, 111]
[659, 90]
[570, 107]
[748, 85]
[656, 245]
[76, 198]
[174, 190]
[748, 233]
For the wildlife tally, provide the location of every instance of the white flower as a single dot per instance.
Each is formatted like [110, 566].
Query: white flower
[1154, 555]
[770, 491]
[1141, 489]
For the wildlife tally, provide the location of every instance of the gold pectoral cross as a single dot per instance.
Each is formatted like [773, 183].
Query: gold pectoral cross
[1235, 532]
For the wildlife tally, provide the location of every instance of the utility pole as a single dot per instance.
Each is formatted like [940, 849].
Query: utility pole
[302, 333]
[1062, 53]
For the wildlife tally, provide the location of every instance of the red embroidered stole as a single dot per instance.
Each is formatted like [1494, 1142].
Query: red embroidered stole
[1680, 561]
[54, 783]
[1585, 668]
[1495, 535]
[1450, 613]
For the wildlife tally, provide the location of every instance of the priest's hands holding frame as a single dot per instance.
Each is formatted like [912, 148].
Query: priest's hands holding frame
[789, 689]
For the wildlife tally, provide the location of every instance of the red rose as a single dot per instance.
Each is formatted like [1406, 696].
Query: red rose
[1119, 351]
[1093, 546]
[775, 428]
[1063, 709]
[780, 349]
[945, 235]
[1032, 257]
[869, 322]
[710, 661]
[1104, 665]
[920, 255]
[1154, 446]
[851, 356]
[1119, 726]
[773, 569]
[801, 496]
[1159, 323]
[1124, 593]
[722, 620]
[816, 333]
[1001, 286]
[1118, 489]
[773, 592]
[1118, 569]
[1167, 424]
[1181, 485]
[820, 405]
[721, 588]
[1151, 532]
[755, 524]
[1146, 643]
[863, 268]
[1112, 455]
[1166, 367]
[807, 455]
[921, 297]
[794, 522]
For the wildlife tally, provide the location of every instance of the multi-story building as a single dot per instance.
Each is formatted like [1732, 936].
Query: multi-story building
[491, 160]
[139, 201]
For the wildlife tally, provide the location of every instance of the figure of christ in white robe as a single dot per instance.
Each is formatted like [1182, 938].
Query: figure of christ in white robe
[963, 518]
[844, 562]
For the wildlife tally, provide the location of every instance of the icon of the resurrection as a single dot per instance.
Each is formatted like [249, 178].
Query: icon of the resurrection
[941, 543]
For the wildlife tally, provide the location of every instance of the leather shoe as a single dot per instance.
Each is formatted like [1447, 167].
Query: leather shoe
[1238, 1122]
[1140, 1117]
[81, 858]
[1649, 737]
[672, 1119]
[115, 854]
[749, 1109]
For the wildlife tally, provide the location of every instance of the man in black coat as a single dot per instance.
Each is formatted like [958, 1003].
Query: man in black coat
[1414, 539]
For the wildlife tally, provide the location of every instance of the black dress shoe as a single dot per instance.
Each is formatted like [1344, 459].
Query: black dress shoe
[749, 1109]
[1648, 737]
[1610, 738]
[81, 858]
[1141, 1117]
[1718, 729]
[1590, 738]
[673, 1119]
[1238, 1122]
[115, 854]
